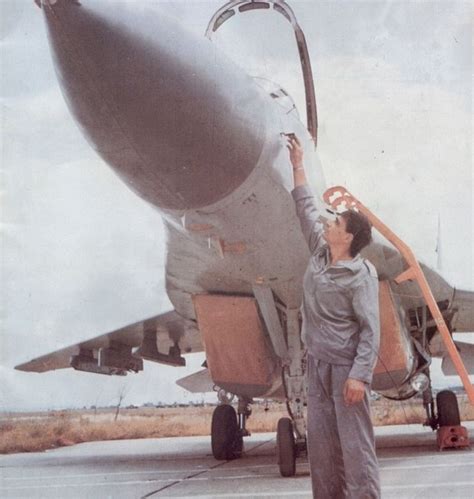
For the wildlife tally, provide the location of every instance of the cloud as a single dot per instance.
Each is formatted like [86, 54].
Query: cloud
[406, 153]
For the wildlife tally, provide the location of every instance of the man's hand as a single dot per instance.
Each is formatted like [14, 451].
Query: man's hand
[296, 151]
[354, 391]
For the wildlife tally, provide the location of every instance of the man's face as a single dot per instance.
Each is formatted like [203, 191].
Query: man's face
[335, 232]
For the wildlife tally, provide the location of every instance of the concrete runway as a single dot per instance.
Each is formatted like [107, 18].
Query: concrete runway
[411, 467]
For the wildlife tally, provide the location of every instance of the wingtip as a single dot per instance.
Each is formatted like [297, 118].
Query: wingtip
[22, 367]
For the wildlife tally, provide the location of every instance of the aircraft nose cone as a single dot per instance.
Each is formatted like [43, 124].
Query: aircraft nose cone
[181, 124]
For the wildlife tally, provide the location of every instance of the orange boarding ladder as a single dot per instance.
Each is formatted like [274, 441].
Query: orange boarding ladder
[337, 196]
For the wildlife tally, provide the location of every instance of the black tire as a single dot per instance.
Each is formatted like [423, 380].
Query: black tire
[286, 448]
[225, 439]
[448, 410]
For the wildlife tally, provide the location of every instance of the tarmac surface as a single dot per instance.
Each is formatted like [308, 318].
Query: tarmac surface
[410, 464]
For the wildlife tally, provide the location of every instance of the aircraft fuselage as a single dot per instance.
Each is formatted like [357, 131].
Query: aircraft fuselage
[192, 134]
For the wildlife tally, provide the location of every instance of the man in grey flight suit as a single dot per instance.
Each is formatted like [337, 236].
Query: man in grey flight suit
[341, 331]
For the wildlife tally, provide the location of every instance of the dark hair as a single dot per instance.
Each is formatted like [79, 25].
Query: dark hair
[359, 226]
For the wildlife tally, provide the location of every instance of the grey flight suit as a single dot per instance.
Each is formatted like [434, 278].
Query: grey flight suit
[341, 331]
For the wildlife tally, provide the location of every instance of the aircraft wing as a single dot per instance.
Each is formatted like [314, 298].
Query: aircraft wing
[160, 339]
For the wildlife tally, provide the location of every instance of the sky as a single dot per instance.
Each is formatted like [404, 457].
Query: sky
[82, 255]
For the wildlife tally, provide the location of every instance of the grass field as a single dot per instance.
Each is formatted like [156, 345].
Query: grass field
[31, 432]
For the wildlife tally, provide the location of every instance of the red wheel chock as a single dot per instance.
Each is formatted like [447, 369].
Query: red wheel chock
[449, 437]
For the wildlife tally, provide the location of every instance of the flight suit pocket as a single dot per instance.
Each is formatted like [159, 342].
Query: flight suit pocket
[332, 297]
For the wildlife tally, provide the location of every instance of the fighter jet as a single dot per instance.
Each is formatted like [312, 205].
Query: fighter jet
[203, 142]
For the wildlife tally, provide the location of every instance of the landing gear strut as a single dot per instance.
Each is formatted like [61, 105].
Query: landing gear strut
[244, 411]
[429, 405]
[291, 433]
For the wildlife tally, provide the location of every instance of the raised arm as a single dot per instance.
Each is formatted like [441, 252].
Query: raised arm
[306, 208]
[296, 158]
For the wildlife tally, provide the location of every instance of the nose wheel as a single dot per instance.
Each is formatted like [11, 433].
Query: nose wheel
[286, 447]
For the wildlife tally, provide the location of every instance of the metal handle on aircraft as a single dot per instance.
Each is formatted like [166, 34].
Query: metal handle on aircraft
[337, 196]
[229, 10]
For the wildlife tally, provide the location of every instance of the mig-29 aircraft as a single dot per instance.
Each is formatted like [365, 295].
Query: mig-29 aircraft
[192, 134]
